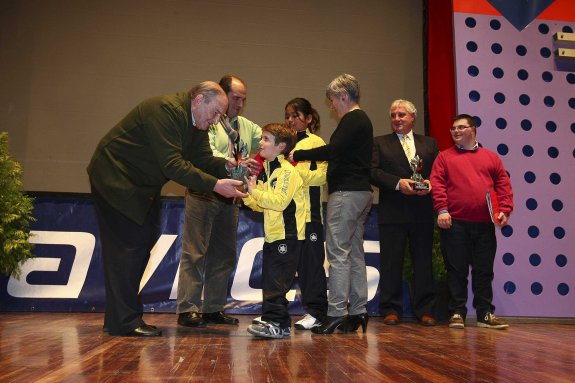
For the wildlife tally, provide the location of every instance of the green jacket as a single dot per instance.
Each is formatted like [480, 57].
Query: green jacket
[156, 142]
[250, 135]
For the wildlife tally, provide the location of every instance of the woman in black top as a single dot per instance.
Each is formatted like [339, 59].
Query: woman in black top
[349, 159]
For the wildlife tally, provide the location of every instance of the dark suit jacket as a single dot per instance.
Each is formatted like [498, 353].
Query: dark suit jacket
[156, 142]
[388, 166]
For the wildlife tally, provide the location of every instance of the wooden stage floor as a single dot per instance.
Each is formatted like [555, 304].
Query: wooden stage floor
[71, 347]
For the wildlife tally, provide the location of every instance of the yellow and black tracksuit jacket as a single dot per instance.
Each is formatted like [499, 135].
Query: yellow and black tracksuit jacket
[280, 196]
[313, 174]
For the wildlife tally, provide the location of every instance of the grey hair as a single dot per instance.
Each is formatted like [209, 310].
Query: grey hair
[344, 83]
[408, 105]
[208, 89]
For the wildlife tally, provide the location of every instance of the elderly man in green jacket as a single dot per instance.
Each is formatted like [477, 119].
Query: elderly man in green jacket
[163, 138]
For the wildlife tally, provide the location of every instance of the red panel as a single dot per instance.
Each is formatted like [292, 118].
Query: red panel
[441, 105]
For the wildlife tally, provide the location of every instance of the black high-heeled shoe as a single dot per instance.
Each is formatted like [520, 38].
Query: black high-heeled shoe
[355, 321]
[330, 324]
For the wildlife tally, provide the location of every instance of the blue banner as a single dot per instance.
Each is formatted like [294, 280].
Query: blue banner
[67, 273]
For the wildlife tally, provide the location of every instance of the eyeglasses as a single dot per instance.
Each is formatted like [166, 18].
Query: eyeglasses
[459, 127]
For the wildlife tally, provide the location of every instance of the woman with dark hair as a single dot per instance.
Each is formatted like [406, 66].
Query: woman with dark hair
[301, 117]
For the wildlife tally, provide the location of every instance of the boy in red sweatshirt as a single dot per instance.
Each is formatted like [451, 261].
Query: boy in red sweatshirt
[462, 178]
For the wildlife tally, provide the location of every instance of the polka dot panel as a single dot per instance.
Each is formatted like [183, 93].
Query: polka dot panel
[510, 80]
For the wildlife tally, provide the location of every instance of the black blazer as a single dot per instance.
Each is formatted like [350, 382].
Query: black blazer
[388, 166]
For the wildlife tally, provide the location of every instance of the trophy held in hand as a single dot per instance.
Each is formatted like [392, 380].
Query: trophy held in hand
[240, 172]
[416, 165]
[238, 150]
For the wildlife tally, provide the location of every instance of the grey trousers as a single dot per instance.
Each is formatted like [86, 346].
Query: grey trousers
[345, 224]
[208, 253]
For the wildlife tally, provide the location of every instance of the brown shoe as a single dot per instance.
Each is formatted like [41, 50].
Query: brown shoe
[456, 321]
[391, 320]
[491, 321]
[428, 321]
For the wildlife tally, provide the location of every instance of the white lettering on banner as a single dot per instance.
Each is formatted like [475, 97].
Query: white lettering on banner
[174, 292]
[241, 290]
[372, 272]
[158, 253]
[84, 244]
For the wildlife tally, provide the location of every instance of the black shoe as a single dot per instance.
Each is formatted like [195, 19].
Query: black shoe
[330, 324]
[354, 321]
[144, 331]
[105, 328]
[219, 318]
[191, 319]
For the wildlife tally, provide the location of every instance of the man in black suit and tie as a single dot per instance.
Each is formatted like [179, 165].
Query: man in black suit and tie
[405, 214]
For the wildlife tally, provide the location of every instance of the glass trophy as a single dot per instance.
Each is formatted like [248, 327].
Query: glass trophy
[240, 172]
[239, 153]
[416, 165]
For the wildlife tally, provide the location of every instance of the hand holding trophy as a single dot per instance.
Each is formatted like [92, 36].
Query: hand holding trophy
[240, 169]
[416, 165]
[239, 165]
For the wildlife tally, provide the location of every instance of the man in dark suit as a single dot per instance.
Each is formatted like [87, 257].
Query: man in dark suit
[405, 213]
[163, 138]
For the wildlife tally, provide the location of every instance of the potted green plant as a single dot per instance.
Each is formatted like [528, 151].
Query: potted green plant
[15, 214]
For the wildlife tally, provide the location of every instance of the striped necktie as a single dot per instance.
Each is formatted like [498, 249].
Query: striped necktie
[406, 148]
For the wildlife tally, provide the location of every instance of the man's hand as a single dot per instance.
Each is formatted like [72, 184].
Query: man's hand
[405, 186]
[444, 220]
[228, 188]
[424, 191]
[502, 219]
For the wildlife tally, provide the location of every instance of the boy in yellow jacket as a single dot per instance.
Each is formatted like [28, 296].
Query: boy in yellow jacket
[278, 193]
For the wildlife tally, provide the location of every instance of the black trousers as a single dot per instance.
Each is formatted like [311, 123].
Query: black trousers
[279, 265]
[310, 271]
[125, 248]
[393, 240]
[465, 245]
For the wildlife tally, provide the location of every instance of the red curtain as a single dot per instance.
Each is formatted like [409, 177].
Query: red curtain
[440, 71]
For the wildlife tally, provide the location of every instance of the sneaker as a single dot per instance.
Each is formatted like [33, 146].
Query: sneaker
[491, 321]
[258, 320]
[269, 330]
[456, 321]
[307, 322]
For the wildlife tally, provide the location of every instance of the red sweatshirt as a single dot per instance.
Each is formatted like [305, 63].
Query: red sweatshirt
[460, 179]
